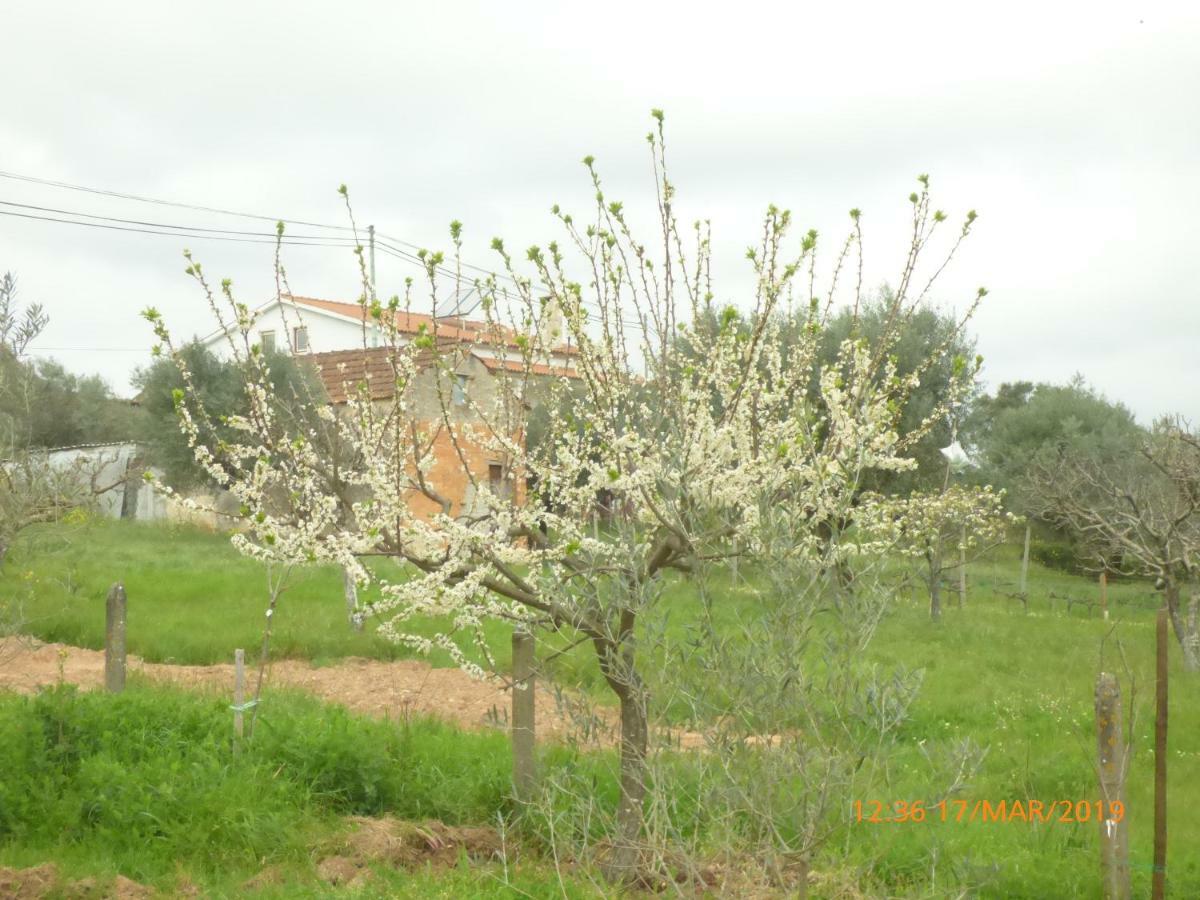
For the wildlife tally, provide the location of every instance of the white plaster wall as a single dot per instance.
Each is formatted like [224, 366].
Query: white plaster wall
[107, 464]
[325, 332]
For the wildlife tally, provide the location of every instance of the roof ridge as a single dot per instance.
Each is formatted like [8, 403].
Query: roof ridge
[458, 328]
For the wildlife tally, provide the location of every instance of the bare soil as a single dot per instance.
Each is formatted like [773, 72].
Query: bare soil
[386, 689]
[45, 881]
[399, 844]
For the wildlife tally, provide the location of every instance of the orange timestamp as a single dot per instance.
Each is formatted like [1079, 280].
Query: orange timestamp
[876, 812]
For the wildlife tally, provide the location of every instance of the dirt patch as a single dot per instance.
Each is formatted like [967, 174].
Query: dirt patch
[44, 881]
[338, 870]
[268, 877]
[386, 689]
[347, 860]
[409, 844]
[403, 845]
[27, 884]
[394, 690]
[126, 889]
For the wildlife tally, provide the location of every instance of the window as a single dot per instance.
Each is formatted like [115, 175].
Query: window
[267, 339]
[300, 339]
[458, 391]
[497, 483]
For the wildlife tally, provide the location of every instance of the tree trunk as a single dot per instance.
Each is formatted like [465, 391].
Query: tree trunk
[626, 862]
[1185, 631]
[617, 663]
[523, 715]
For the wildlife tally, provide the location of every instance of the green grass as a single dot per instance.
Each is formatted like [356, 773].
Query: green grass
[146, 784]
[1022, 686]
[1019, 684]
[191, 598]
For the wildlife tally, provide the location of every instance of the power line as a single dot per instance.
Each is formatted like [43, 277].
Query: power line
[235, 236]
[195, 228]
[230, 236]
[176, 234]
[595, 316]
[87, 350]
[465, 265]
[211, 209]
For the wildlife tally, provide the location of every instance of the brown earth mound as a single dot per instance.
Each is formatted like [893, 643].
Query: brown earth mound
[404, 845]
[45, 881]
[37, 881]
[408, 844]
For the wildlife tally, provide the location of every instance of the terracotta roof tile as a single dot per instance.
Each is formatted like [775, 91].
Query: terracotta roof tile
[341, 372]
[453, 328]
[517, 365]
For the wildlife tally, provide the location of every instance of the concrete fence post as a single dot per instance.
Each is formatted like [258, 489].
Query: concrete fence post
[239, 697]
[350, 592]
[962, 567]
[1111, 759]
[1025, 569]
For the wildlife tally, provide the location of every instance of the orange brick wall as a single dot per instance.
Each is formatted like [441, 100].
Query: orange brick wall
[448, 476]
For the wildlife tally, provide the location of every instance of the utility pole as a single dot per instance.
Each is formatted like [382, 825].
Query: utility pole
[371, 236]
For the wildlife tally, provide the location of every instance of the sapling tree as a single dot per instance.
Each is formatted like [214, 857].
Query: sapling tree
[691, 449]
[965, 519]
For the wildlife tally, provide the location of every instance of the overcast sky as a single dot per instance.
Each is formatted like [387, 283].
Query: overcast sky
[1074, 130]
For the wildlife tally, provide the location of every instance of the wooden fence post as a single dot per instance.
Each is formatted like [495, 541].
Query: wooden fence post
[239, 697]
[114, 639]
[1104, 594]
[1114, 832]
[1159, 883]
[1025, 569]
[524, 772]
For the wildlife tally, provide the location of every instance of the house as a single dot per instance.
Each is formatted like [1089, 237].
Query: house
[346, 347]
[306, 325]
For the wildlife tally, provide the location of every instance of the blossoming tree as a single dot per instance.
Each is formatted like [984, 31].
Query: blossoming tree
[689, 433]
[966, 519]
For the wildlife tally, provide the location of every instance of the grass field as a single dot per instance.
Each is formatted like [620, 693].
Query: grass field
[191, 598]
[145, 785]
[1019, 684]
